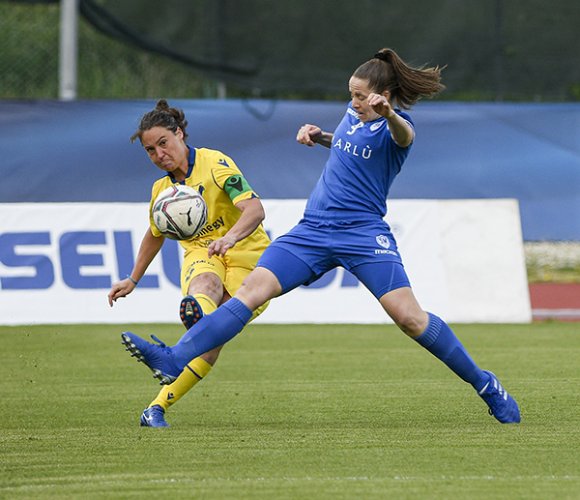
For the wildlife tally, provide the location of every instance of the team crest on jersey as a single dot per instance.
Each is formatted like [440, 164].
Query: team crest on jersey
[376, 126]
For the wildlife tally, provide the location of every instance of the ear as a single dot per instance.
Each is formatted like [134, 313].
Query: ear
[387, 94]
[179, 133]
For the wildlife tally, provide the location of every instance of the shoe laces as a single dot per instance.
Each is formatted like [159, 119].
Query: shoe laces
[162, 344]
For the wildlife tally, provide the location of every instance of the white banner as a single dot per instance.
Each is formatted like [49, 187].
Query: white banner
[57, 262]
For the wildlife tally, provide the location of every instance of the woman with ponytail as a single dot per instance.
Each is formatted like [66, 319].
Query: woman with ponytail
[344, 225]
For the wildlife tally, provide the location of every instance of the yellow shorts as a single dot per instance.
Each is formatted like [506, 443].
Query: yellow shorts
[231, 269]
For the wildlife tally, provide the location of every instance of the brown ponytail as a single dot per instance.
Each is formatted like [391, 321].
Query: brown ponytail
[162, 116]
[387, 71]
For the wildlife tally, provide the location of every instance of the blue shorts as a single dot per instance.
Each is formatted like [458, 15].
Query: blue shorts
[315, 246]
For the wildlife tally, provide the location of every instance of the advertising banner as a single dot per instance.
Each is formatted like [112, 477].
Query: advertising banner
[58, 261]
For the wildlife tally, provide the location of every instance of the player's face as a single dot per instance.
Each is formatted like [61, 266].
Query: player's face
[359, 93]
[166, 149]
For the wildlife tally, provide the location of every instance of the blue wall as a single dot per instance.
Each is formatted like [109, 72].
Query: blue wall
[80, 151]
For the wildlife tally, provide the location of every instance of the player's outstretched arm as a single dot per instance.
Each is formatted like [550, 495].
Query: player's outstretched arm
[310, 135]
[252, 216]
[150, 246]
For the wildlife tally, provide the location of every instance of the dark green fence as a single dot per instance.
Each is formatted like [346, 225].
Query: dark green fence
[523, 50]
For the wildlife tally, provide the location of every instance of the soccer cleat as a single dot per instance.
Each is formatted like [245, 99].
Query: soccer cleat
[158, 358]
[501, 405]
[153, 417]
[190, 311]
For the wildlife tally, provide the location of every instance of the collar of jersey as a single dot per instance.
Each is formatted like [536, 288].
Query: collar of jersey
[190, 163]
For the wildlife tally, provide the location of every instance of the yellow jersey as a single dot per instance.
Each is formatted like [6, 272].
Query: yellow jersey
[221, 183]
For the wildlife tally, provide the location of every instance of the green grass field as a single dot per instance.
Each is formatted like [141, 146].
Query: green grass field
[290, 412]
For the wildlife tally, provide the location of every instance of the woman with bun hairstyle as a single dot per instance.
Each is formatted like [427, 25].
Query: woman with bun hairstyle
[217, 260]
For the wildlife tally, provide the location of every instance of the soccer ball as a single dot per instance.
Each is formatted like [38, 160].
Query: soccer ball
[179, 212]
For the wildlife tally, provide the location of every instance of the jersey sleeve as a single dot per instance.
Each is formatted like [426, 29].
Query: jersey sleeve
[155, 190]
[228, 177]
[407, 118]
[389, 138]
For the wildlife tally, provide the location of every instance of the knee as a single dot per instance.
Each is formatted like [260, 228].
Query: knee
[212, 356]
[259, 287]
[251, 294]
[412, 323]
[402, 306]
[208, 284]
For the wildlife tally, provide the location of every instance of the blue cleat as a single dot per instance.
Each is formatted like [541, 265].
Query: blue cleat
[159, 358]
[153, 417]
[190, 311]
[501, 405]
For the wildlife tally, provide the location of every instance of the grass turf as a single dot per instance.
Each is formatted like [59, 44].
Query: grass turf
[295, 411]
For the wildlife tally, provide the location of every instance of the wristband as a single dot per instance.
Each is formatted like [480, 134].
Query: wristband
[135, 282]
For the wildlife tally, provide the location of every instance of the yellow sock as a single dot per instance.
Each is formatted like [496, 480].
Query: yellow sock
[207, 305]
[198, 368]
[195, 371]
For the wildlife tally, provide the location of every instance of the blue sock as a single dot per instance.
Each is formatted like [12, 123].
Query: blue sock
[440, 341]
[212, 331]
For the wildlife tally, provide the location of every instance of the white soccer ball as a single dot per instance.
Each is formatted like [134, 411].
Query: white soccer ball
[179, 212]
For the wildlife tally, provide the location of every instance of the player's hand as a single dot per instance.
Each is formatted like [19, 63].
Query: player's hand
[380, 105]
[221, 246]
[120, 289]
[308, 134]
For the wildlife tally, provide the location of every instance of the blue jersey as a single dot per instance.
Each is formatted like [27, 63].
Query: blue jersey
[343, 222]
[364, 160]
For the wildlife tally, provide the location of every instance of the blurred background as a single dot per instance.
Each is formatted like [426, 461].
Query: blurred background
[76, 75]
[494, 50]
